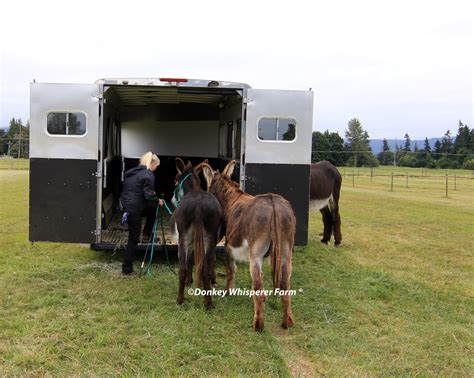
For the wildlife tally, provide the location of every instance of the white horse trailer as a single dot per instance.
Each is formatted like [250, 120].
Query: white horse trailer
[85, 136]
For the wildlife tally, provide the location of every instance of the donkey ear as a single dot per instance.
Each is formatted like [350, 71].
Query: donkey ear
[208, 173]
[229, 169]
[180, 165]
[198, 168]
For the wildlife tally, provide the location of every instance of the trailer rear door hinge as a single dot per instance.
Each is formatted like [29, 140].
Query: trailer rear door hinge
[97, 174]
[96, 232]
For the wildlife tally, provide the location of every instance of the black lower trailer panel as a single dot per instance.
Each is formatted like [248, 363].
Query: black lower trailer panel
[291, 181]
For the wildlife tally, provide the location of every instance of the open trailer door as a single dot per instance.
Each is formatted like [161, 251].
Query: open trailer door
[64, 151]
[278, 149]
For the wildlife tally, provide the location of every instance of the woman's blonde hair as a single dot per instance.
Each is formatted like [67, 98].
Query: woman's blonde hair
[149, 158]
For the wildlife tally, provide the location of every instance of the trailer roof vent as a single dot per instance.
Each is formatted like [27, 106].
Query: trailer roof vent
[213, 83]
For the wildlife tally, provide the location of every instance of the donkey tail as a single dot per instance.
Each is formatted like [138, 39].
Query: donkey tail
[199, 252]
[275, 252]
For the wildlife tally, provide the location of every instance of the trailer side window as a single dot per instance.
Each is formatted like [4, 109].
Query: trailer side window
[277, 129]
[63, 123]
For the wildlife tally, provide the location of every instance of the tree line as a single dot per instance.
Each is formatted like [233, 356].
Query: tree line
[14, 141]
[448, 152]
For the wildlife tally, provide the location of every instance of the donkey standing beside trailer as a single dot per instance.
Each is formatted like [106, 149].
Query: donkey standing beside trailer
[196, 227]
[326, 184]
[255, 226]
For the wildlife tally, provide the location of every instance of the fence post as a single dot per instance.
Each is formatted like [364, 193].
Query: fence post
[391, 182]
[406, 184]
[353, 178]
[446, 185]
[455, 181]
[371, 173]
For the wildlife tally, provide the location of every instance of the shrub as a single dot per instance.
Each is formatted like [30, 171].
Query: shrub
[468, 164]
[407, 161]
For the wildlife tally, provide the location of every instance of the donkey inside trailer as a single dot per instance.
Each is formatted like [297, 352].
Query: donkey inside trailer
[85, 136]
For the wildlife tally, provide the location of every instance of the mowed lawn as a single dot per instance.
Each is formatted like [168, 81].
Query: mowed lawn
[395, 299]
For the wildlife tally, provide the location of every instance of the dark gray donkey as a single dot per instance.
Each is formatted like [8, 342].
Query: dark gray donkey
[326, 184]
[196, 227]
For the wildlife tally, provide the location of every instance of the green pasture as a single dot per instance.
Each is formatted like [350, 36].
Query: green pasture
[14, 164]
[395, 299]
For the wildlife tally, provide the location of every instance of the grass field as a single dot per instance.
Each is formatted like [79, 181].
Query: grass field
[15, 164]
[395, 299]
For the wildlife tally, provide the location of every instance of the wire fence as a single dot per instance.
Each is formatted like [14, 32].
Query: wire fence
[420, 180]
[424, 181]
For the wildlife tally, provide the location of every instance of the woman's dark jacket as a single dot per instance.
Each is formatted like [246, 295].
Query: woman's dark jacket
[138, 187]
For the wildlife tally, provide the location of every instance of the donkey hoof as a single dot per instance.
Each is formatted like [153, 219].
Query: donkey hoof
[258, 325]
[179, 301]
[337, 244]
[209, 305]
[324, 241]
[287, 322]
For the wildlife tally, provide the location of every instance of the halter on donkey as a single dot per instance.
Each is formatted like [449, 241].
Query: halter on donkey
[196, 227]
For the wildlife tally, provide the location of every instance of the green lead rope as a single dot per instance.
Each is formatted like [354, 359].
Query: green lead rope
[148, 271]
[163, 236]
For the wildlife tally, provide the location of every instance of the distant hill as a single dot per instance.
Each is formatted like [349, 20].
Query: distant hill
[377, 144]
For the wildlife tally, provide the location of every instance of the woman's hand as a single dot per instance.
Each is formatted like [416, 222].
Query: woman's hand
[160, 202]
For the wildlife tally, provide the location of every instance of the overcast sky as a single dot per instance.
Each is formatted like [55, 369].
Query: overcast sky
[398, 66]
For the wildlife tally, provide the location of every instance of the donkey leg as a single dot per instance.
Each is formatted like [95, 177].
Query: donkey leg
[230, 268]
[189, 266]
[327, 220]
[182, 271]
[337, 227]
[257, 285]
[207, 275]
[212, 269]
[288, 319]
[336, 218]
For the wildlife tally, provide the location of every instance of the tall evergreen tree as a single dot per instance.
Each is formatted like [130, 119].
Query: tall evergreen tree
[462, 143]
[407, 147]
[386, 156]
[437, 150]
[3, 142]
[427, 146]
[358, 143]
[447, 145]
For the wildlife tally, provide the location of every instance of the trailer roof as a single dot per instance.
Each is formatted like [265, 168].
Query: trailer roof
[172, 82]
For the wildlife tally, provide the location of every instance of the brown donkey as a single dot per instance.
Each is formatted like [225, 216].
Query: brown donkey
[255, 226]
[324, 194]
[196, 227]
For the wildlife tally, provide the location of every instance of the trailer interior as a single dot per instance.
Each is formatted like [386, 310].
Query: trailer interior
[191, 123]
